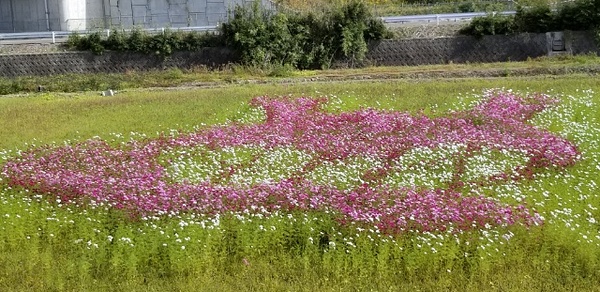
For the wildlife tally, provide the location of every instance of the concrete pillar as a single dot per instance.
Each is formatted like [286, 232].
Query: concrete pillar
[73, 15]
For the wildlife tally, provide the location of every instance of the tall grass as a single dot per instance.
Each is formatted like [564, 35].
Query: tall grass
[48, 246]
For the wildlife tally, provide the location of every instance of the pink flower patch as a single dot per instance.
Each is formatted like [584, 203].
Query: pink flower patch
[130, 176]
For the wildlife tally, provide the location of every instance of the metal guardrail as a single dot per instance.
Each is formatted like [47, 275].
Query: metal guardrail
[54, 36]
[61, 36]
[440, 17]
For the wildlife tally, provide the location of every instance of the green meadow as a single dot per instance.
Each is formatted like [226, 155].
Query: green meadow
[46, 245]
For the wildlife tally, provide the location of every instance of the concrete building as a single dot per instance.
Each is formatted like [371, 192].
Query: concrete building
[73, 15]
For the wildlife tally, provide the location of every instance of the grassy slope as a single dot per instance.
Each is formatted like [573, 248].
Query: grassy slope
[201, 77]
[56, 117]
[51, 117]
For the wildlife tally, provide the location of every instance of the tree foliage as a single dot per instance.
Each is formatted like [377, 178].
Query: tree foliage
[574, 15]
[311, 40]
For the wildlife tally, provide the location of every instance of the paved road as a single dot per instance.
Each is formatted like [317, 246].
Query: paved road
[30, 41]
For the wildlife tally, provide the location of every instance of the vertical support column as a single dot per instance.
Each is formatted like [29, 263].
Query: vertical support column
[12, 16]
[47, 14]
[73, 15]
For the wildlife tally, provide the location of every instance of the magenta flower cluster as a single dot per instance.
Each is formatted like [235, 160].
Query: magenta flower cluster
[131, 177]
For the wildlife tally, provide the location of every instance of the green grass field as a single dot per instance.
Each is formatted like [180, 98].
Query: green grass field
[48, 246]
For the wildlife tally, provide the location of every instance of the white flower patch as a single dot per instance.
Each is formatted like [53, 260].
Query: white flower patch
[272, 166]
[250, 115]
[344, 174]
[489, 162]
[201, 164]
[424, 167]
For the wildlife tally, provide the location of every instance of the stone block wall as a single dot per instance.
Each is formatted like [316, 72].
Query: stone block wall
[385, 53]
[461, 49]
[109, 62]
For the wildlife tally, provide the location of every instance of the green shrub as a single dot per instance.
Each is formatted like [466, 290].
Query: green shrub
[492, 24]
[95, 44]
[138, 41]
[92, 42]
[162, 44]
[538, 19]
[165, 43]
[350, 25]
[312, 40]
[575, 15]
[74, 40]
[465, 7]
[262, 37]
[194, 41]
[579, 15]
[117, 41]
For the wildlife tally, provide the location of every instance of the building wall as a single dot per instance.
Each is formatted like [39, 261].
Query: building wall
[29, 15]
[167, 13]
[71, 15]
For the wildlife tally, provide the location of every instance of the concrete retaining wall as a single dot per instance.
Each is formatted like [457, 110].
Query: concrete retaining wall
[388, 53]
[463, 49]
[109, 62]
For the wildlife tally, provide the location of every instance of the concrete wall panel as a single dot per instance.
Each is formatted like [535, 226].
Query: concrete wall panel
[178, 14]
[216, 19]
[125, 7]
[54, 14]
[95, 14]
[114, 11]
[196, 6]
[160, 20]
[158, 6]
[198, 19]
[73, 15]
[215, 8]
[139, 15]
[94, 9]
[30, 15]
[6, 16]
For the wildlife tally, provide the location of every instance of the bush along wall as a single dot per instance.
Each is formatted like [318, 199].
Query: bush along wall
[139, 41]
[309, 40]
[261, 37]
[575, 15]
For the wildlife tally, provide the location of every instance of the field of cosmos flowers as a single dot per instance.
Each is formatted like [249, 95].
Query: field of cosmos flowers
[415, 195]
